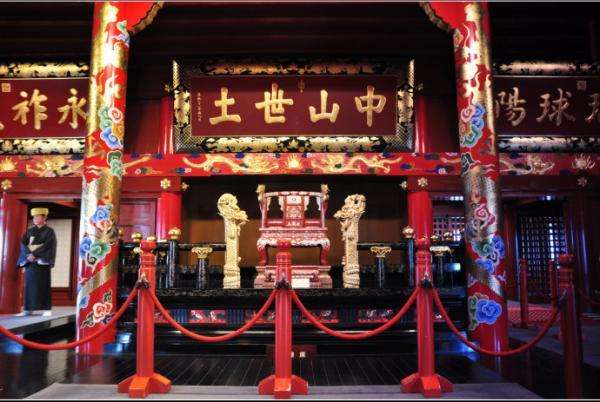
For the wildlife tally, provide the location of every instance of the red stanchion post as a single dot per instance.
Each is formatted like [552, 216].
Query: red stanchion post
[425, 381]
[283, 384]
[523, 295]
[553, 277]
[145, 381]
[570, 329]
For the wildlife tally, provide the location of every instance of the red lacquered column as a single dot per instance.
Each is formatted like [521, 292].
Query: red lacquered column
[166, 126]
[168, 213]
[13, 223]
[420, 213]
[112, 26]
[469, 23]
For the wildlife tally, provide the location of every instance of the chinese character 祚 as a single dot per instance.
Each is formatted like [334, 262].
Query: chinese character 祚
[223, 103]
[558, 106]
[514, 112]
[332, 116]
[22, 108]
[74, 106]
[273, 104]
[368, 107]
[595, 104]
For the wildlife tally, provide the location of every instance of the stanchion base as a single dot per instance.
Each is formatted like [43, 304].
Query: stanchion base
[141, 387]
[283, 388]
[431, 386]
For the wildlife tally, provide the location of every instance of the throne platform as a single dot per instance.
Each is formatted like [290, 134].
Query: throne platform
[302, 231]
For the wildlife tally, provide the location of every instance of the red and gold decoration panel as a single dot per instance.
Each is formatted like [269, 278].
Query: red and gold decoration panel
[293, 106]
[547, 106]
[43, 108]
[393, 164]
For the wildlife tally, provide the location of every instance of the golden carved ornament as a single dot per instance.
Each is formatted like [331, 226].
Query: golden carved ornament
[6, 184]
[408, 232]
[151, 238]
[448, 236]
[137, 250]
[422, 182]
[202, 252]
[439, 251]
[435, 238]
[349, 215]
[137, 237]
[381, 251]
[165, 183]
[404, 185]
[184, 186]
[120, 233]
[174, 233]
[233, 218]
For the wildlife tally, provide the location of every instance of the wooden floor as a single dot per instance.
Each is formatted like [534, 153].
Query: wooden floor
[248, 371]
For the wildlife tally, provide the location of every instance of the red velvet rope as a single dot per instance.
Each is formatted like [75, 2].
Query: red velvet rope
[363, 335]
[218, 338]
[504, 353]
[587, 298]
[74, 344]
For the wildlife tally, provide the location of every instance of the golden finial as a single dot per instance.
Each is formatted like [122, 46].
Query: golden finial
[174, 234]
[137, 237]
[408, 232]
[6, 184]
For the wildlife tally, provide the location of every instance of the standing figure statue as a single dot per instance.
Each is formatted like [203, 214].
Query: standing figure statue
[349, 215]
[37, 254]
[233, 218]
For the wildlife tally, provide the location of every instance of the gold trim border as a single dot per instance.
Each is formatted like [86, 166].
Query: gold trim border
[401, 141]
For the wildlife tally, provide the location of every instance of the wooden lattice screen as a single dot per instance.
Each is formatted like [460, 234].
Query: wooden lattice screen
[540, 238]
[449, 223]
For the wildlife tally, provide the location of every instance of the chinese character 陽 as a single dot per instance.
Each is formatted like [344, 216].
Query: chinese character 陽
[224, 103]
[331, 116]
[368, 106]
[74, 106]
[514, 112]
[595, 104]
[22, 108]
[273, 104]
[558, 107]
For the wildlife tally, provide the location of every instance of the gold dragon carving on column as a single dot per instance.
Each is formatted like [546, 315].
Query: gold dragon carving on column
[349, 215]
[233, 218]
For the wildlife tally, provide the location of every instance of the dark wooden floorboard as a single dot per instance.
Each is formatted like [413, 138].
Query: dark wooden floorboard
[333, 376]
[319, 372]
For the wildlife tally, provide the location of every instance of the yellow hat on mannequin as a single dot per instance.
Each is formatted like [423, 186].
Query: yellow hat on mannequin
[39, 211]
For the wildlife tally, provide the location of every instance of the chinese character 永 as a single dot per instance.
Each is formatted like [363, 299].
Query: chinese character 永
[224, 103]
[74, 107]
[558, 107]
[368, 106]
[515, 113]
[273, 105]
[22, 108]
[331, 116]
[595, 104]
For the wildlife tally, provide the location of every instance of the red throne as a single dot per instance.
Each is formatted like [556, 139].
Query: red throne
[302, 231]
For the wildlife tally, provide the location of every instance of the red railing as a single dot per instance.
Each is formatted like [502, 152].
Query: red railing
[283, 384]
